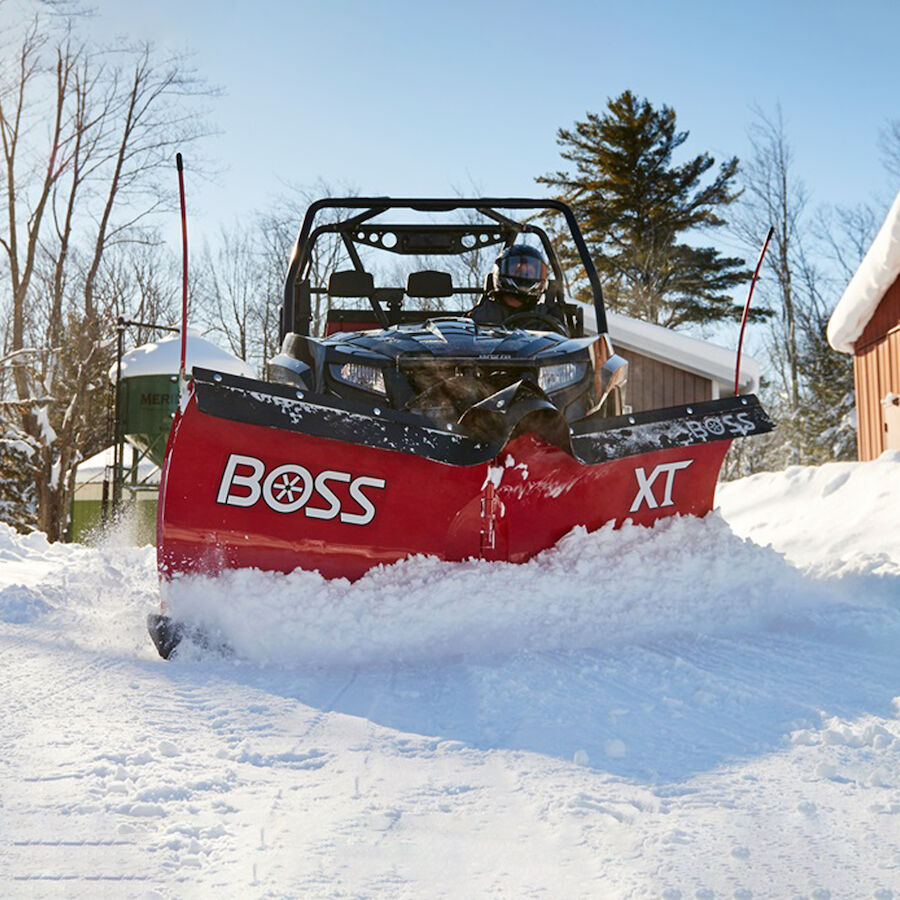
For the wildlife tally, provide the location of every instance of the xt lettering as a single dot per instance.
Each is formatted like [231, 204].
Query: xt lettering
[645, 492]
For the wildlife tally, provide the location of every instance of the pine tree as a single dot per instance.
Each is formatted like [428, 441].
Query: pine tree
[18, 502]
[825, 416]
[635, 207]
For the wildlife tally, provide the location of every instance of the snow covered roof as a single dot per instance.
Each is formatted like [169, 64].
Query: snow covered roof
[94, 467]
[164, 358]
[876, 273]
[668, 346]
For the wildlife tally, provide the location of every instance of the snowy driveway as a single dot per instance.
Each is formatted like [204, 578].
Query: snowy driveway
[676, 714]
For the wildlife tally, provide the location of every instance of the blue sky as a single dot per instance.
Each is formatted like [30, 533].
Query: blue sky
[421, 98]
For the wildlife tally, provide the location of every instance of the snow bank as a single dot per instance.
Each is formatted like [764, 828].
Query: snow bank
[15, 545]
[876, 273]
[26, 558]
[20, 604]
[591, 590]
[597, 590]
[93, 597]
[687, 576]
[831, 520]
[747, 567]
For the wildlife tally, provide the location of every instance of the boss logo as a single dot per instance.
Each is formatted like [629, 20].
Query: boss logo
[716, 426]
[290, 487]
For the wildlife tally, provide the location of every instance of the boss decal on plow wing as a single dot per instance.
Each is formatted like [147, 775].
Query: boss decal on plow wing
[288, 488]
[665, 429]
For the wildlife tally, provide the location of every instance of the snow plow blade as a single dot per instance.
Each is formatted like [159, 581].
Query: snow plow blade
[388, 427]
[260, 475]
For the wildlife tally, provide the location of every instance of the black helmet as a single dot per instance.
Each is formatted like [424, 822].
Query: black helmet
[520, 270]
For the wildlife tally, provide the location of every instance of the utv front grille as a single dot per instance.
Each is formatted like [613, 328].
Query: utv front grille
[494, 376]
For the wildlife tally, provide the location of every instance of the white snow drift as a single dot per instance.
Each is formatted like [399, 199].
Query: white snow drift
[686, 576]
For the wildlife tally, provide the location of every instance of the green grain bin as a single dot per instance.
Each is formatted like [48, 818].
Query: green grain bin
[125, 477]
[148, 387]
[147, 404]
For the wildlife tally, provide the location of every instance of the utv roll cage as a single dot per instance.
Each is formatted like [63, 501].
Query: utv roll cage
[425, 238]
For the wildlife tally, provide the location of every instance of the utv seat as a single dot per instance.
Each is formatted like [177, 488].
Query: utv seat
[425, 285]
[351, 284]
[429, 285]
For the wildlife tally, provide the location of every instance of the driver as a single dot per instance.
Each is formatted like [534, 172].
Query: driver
[515, 284]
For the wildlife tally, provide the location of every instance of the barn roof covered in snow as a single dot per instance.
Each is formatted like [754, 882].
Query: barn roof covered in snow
[689, 353]
[876, 273]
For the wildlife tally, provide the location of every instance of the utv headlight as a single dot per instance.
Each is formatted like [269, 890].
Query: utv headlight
[366, 377]
[556, 377]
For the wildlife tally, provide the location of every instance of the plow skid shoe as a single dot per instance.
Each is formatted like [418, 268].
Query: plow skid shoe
[165, 634]
[260, 475]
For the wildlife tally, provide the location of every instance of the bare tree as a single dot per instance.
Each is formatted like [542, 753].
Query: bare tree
[142, 282]
[83, 136]
[811, 258]
[239, 283]
[232, 293]
[775, 196]
[275, 236]
[889, 144]
[846, 233]
[278, 230]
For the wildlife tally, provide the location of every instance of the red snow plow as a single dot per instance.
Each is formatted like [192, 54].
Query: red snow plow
[406, 429]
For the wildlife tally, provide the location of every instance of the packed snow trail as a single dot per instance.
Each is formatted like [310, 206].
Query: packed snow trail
[668, 713]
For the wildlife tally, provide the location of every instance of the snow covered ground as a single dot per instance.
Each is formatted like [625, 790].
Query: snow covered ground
[686, 712]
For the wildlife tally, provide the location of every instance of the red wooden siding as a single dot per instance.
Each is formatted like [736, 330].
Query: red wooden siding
[653, 384]
[876, 369]
[877, 373]
[885, 317]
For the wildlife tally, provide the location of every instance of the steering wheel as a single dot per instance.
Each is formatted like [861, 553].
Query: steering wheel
[529, 320]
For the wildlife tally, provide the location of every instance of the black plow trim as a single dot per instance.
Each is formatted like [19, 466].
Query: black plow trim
[281, 406]
[593, 440]
[665, 429]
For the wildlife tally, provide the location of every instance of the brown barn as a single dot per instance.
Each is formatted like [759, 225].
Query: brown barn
[668, 368]
[866, 323]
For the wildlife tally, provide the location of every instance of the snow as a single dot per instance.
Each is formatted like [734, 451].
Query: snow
[423, 610]
[708, 709]
[48, 435]
[879, 269]
[164, 358]
[848, 522]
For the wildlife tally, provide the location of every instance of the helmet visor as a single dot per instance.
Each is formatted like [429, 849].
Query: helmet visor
[524, 269]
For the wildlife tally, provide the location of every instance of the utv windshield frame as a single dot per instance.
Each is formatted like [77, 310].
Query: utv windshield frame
[427, 238]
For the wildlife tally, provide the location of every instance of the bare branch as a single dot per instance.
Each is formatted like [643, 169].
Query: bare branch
[83, 135]
[889, 144]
